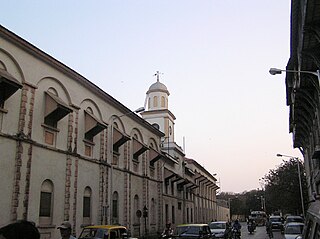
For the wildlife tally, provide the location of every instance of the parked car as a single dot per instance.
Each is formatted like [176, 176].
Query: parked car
[293, 229]
[104, 232]
[192, 231]
[276, 222]
[294, 219]
[220, 229]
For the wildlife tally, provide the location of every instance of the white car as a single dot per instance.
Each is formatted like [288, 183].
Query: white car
[293, 229]
[220, 229]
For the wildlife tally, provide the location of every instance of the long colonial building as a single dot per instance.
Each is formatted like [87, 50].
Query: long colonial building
[70, 151]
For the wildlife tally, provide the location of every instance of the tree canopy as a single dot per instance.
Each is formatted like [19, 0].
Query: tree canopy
[244, 203]
[280, 192]
[282, 188]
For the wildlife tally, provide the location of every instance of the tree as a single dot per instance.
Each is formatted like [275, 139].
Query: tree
[243, 203]
[282, 190]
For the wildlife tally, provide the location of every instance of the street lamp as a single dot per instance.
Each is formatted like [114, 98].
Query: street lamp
[110, 156]
[276, 71]
[263, 197]
[145, 215]
[300, 184]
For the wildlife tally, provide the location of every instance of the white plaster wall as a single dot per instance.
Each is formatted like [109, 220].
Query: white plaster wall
[47, 164]
[223, 213]
[7, 161]
[118, 185]
[156, 120]
[88, 176]
[136, 189]
[153, 193]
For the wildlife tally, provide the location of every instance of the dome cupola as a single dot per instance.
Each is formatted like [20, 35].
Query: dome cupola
[158, 113]
[157, 95]
[158, 87]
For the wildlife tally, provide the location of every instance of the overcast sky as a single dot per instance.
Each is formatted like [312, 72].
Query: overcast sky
[214, 56]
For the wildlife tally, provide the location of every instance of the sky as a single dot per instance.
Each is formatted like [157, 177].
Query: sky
[231, 114]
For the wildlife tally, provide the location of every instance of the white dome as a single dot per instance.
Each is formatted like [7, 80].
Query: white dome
[158, 87]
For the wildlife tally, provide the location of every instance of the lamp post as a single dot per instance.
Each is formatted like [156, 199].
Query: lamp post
[300, 184]
[276, 71]
[145, 215]
[263, 197]
[110, 156]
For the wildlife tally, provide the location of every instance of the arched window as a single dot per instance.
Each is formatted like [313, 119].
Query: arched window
[149, 102]
[155, 101]
[115, 207]
[87, 205]
[46, 203]
[163, 101]
[136, 208]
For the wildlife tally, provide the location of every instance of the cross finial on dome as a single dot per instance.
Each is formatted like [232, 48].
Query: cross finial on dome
[158, 75]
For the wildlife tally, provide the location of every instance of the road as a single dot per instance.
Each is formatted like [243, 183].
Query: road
[259, 233]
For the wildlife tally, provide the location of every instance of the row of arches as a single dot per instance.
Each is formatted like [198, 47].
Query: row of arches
[47, 209]
[153, 102]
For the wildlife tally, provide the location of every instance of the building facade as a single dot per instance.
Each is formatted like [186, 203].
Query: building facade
[302, 91]
[70, 151]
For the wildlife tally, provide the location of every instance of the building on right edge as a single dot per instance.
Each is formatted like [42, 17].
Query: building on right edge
[302, 93]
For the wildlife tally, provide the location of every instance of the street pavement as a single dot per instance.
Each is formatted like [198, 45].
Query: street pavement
[259, 233]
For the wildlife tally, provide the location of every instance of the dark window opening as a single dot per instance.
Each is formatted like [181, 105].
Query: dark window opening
[167, 212]
[45, 204]
[115, 208]
[173, 215]
[172, 188]
[86, 206]
[8, 86]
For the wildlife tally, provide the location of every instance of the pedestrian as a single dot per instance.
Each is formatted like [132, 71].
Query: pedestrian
[65, 230]
[269, 228]
[21, 229]
[167, 232]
